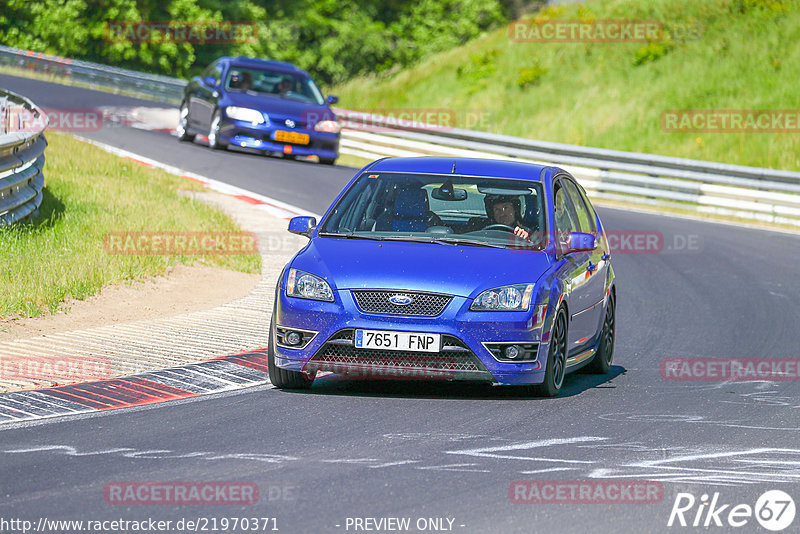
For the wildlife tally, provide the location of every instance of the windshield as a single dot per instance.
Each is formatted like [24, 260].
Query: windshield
[475, 211]
[273, 83]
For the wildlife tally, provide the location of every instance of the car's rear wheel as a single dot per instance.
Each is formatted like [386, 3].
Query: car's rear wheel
[284, 378]
[601, 364]
[213, 132]
[556, 357]
[183, 125]
[327, 161]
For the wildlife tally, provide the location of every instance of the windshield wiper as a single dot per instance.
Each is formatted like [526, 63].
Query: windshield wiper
[469, 242]
[408, 239]
[346, 236]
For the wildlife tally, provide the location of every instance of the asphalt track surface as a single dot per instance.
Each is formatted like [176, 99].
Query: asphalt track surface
[349, 449]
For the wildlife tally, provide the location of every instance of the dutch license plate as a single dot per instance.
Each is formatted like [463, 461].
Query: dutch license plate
[389, 340]
[292, 137]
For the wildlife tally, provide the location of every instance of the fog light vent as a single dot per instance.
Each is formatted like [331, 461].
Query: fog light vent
[293, 338]
[513, 352]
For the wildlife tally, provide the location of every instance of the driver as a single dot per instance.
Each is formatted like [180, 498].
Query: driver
[241, 81]
[284, 86]
[506, 210]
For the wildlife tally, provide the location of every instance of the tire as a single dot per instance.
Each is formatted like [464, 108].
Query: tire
[290, 157]
[213, 132]
[556, 358]
[183, 125]
[601, 363]
[327, 161]
[284, 378]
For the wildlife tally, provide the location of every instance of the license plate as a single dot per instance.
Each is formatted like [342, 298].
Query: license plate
[292, 137]
[389, 340]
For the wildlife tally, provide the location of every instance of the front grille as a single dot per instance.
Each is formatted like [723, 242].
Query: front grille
[454, 362]
[421, 305]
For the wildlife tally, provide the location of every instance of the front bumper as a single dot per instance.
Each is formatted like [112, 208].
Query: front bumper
[261, 137]
[463, 355]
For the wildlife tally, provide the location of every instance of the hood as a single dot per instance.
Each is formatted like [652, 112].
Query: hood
[300, 111]
[442, 268]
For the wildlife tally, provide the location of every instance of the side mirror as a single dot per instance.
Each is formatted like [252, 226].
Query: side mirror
[302, 225]
[210, 81]
[332, 100]
[580, 242]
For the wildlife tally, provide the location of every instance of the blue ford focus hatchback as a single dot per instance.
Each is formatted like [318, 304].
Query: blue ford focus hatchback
[448, 269]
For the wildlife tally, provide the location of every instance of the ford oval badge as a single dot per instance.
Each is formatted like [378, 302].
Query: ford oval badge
[401, 300]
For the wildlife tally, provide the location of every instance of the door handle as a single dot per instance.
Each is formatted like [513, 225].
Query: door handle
[605, 256]
[591, 267]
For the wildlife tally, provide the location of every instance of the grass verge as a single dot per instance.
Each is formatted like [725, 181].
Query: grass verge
[715, 54]
[90, 193]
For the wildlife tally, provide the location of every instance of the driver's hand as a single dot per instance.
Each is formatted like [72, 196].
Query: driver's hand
[519, 232]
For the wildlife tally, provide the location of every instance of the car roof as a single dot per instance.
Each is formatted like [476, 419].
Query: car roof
[463, 167]
[244, 61]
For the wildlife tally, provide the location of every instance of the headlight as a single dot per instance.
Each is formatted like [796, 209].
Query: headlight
[245, 114]
[327, 126]
[506, 298]
[308, 286]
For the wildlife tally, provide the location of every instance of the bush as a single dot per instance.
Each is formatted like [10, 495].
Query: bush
[529, 76]
[334, 41]
[651, 52]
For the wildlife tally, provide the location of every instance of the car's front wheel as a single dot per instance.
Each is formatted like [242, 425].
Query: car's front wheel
[183, 125]
[284, 378]
[556, 357]
[601, 363]
[213, 132]
[327, 161]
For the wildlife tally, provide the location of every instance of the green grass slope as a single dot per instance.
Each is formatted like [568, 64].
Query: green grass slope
[715, 54]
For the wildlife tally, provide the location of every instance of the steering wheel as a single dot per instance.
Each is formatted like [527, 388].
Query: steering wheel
[505, 227]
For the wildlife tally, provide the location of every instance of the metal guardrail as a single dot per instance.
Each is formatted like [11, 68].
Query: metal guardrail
[22, 145]
[160, 88]
[645, 179]
[755, 193]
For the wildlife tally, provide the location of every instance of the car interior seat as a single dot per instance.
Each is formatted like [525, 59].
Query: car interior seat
[409, 214]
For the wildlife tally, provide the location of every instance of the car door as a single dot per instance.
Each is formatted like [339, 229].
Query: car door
[595, 275]
[576, 270]
[203, 101]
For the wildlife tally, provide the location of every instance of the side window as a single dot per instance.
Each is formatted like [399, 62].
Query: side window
[589, 208]
[585, 222]
[565, 216]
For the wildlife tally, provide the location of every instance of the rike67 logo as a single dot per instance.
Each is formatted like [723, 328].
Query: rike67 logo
[774, 510]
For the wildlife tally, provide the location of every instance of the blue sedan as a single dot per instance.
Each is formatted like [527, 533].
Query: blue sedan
[448, 269]
[260, 104]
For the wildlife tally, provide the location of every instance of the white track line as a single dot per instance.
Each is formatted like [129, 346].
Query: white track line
[270, 205]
